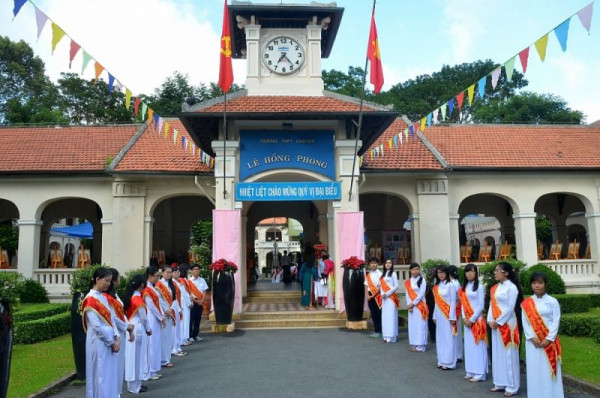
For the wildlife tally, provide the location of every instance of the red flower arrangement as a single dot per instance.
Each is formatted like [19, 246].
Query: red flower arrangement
[224, 265]
[353, 263]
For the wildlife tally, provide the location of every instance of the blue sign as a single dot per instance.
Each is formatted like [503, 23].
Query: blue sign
[270, 150]
[280, 191]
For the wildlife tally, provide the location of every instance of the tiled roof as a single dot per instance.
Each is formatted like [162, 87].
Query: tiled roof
[61, 149]
[269, 103]
[517, 146]
[154, 153]
[273, 220]
[411, 155]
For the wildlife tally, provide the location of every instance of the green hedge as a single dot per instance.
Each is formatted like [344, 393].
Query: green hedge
[39, 311]
[572, 303]
[595, 300]
[581, 325]
[42, 329]
[555, 284]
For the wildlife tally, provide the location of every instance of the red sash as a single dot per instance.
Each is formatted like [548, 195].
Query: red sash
[374, 291]
[177, 294]
[478, 328]
[422, 307]
[93, 304]
[444, 307]
[509, 337]
[554, 350]
[148, 291]
[165, 292]
[116, 305]
[184, 283]
[386, 288]
[134, 305]
[194, 291]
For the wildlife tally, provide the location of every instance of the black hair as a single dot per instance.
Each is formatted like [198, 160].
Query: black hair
[175, 268]
[443, 269]
[100, 272]
[183, 270]
[195, 265]
[471, 267]
[453, 272]
[169, 281]
[386, 271]
[373, 260]
[133, 285]
[512, 276]
[150, 271]
[111, 287]
[539, 276]
[416, 265]
[325, 257]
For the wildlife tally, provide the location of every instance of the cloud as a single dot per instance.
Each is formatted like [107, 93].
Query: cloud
[464, 26]
[139, 42]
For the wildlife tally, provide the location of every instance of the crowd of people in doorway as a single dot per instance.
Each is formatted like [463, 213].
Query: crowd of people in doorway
[132, 338]
[316, 276]
[457, 304]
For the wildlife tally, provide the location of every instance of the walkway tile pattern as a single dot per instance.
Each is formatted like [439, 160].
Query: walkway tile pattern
[277, 307]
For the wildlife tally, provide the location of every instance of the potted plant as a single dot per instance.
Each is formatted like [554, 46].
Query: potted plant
[353, 284]
[10, 283]
[80, 286]
[223, 290]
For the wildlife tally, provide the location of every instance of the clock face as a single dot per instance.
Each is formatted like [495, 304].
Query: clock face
[283, 55]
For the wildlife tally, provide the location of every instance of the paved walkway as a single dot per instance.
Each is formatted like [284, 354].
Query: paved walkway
[308, 363]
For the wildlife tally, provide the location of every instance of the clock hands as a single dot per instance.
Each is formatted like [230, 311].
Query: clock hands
[284, 58]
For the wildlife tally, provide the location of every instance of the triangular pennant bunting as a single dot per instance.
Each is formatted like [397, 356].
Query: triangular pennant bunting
[144, 108]
[150, 116]
[585, 16]
[422, 126]
[562, 33]
[470, 93]
[460, 98]
[481, 86]
[136, 105]
[443, 108]
[86, 60]
[509, 68]
[160, 125]
[523, 57]
[156, 118]
[57, 35]
[540, 45]
[435, 115]
[74, 49]
[98, 68]
[451, 106]
[18, 5]
[429, 116]
[128, 98]
[111, 83]
[40, 20]
[496, 76]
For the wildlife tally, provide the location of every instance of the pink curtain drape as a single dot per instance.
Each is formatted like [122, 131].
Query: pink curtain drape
[350, 226]
[227, 241]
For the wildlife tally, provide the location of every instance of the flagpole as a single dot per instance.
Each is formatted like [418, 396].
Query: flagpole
[225, 147]
[360, 118]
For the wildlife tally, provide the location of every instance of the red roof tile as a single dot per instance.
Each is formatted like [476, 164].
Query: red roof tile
[61, 149]
[517, 146]
[154, 153]
[270, 103]
[411, 155]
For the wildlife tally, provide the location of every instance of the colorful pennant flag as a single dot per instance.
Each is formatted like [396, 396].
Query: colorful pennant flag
[451, 106]
[111, 83]
[429, 116]
[144, 108]
[481, 86]
[496, 76]
[18, 5]
[86, 60]
[509, 68]
[136, 105]
[423, 121]
[460, 98]
[57, 35]
[435, 115]
[585, 16]
[562, 33]
[40, 20]
[470, 93]
[523, 57]
[374, 56]
[74, 49]
[443, 108]
[225, 68]
[98, 68]
[156, 120]
[128, 99]
[540, 45]
[150, 116]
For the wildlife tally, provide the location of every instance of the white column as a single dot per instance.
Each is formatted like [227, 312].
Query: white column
[128, 225]
[454, 239]
[525, 237]
[415, 247]
[29, 246]
[225, 162]
[107, 240]
[148, 236]
[593, 222]
[434, 237]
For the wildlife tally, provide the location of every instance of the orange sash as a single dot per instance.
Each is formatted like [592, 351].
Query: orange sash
[116, 305]
[134, 305]
[422, 307]
[184, 283]
[554, 350]
[148, 291]
[478, 328]
[374, 291]
[386, 288]
[194, 291]
[177, 294]
[93, 304]
[444, 307]
[165, 292]
[509, 337]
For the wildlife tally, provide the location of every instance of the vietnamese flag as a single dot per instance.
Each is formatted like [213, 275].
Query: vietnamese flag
[374, 56]
[225, 70]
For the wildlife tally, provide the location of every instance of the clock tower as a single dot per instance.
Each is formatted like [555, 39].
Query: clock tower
[283, 45]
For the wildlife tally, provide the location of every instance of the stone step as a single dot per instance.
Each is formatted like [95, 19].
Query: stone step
[275, 293]
[284, 299]
[290, 323]
[278, 315]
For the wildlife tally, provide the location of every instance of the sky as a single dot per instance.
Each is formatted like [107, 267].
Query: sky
[141, 42]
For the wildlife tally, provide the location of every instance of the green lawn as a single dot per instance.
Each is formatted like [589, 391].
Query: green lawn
[581, 358]
[37, 365]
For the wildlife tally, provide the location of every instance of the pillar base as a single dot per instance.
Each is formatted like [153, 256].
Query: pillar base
[223, 328]
[356, 325]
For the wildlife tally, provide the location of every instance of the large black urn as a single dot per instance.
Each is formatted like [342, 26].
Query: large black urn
[223, 293]
[78, 336]
[354, 293]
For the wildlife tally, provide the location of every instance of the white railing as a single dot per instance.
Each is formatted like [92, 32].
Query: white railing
[56, 281]
[280, 245]
[574, 269]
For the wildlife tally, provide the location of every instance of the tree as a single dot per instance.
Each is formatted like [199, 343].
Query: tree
[26, 94]
[85, 102]
[345, 83]
[528, 107]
